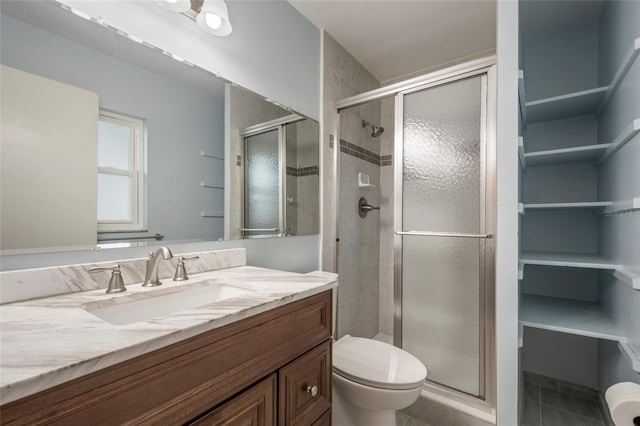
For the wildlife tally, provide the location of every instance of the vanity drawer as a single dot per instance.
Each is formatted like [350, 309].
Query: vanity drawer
[305, 387]
[255, 407]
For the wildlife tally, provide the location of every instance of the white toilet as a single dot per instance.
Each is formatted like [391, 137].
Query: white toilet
[371, 381]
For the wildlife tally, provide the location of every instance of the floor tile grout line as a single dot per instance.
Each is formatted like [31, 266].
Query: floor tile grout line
[573, 412]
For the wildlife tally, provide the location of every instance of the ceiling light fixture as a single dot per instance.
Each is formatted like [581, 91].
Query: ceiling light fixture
[214, 18]
[175, 5]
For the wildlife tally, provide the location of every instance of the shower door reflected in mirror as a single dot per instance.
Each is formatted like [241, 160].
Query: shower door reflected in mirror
[263, 207]
[280, 177]
[441, 231]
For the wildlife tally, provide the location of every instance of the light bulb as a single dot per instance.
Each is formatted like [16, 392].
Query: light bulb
[213, 21]
[171, 1]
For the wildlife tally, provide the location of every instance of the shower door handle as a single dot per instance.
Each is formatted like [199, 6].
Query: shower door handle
[443, 234]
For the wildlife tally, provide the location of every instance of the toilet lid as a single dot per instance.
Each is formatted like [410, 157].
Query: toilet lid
[377, 364]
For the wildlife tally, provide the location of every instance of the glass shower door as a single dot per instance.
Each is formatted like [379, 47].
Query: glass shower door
[441, 232]
[263, 207]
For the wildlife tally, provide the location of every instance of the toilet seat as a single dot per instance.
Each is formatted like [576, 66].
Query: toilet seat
[377, 364]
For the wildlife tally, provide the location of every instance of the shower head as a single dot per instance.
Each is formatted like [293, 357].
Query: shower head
[376, 130]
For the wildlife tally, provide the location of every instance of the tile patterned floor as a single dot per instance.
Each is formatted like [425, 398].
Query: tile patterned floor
[551, 402]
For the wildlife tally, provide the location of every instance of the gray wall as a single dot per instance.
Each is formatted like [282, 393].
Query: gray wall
[180, 122]
[619, 179]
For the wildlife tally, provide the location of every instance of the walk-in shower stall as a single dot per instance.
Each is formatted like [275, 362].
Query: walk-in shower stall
[439, 206]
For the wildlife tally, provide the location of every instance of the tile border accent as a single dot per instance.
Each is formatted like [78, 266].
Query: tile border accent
[354, 150]
[303, 171]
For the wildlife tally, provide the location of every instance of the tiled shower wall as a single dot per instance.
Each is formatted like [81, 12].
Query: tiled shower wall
[302, 178]
[386, 219]
[358, 300]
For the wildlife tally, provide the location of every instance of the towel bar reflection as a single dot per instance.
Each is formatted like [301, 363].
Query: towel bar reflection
[443, 234]
[157, 237]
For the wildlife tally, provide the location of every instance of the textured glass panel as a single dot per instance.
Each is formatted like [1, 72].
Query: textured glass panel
[443, 164]
[262, 181]
[444, 191]
[114, 143]
[443, 302]
[114, 197]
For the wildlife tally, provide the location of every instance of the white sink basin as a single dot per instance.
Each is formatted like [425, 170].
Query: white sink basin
[159, 305]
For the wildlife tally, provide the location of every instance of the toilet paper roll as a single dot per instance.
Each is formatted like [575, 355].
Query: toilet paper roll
[623, 400]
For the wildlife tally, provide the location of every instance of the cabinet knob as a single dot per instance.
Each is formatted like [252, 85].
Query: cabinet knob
[312, 390]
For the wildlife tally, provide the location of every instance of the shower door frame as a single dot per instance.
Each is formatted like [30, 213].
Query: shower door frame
[487, 231]
[486, 66]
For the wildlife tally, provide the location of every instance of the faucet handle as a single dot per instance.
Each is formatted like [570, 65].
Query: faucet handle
[181, 271]
[116, 284]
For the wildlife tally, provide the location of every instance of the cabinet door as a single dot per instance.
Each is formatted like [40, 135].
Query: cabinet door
[305, 387]
[254, 407]
[325, 420]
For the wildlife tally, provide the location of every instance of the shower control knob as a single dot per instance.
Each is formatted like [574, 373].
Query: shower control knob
[312, 390]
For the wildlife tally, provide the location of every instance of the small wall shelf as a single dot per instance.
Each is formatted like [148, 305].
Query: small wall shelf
[565, 155]
[565, 106]
[571, 260]
[598, 205]
[211, 185]
[575, 260]
[211, 214]
[572, 317]
[568, 316]
[207, 154]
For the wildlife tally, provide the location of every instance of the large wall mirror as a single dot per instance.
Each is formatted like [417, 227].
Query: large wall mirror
[107, 141]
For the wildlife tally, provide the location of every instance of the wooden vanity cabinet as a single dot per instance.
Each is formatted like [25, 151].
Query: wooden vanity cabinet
[273, 368]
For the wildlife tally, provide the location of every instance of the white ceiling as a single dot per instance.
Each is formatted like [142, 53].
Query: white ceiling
[396, 38]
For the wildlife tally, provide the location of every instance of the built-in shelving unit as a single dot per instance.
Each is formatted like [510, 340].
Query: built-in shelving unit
[558, 314]
[568, 316]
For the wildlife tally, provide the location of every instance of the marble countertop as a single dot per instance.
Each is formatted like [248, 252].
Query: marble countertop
[49, 341]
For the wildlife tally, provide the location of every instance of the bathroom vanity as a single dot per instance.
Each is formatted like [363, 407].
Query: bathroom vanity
[261, 358]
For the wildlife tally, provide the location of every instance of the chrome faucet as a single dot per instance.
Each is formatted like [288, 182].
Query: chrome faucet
[151, 275]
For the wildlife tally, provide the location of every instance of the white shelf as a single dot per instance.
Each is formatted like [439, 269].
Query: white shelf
[566, 155]
[626, 64]
[208, 154]
[568, 316]
[600, 205]
[570, 260]
[565, 106]
[625, 136]
[211, 185]
[633, 355]
[211, 214]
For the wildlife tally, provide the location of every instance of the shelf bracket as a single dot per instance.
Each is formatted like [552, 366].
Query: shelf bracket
[523, 107]
[626, 349]
[520, 271]
[523, 161]
[628, 278]
[618, 208]
[520, 335]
